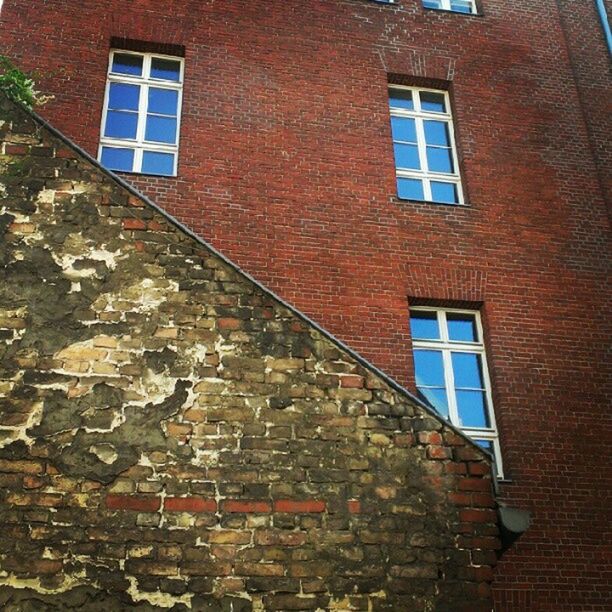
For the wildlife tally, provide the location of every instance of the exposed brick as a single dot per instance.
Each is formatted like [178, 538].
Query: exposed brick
[475, 484]
[133, 502]
[229, 537]
[353, 382]
[189, 504]
[25, 467]
[299, 507]
[477, 516]
[237, 505]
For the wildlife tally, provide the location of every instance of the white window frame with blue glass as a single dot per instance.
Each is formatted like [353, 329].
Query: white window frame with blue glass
[136, 150]
[456, 6]
[424, 137]
[432, 333]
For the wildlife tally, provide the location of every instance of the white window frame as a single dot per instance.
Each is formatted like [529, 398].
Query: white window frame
[419, 116]
[447, 346]
[139, 144]
[446, 6]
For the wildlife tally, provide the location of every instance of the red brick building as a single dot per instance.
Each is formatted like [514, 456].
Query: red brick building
[369, 160]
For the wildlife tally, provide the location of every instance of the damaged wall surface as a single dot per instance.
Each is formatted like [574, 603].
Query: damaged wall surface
[173, 436]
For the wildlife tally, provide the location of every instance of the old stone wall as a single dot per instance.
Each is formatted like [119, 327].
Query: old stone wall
[172, 436]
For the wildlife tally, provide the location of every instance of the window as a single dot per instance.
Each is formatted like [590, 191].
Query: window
[451, 371]
[457, 6]
[423, 144]
[140, 122]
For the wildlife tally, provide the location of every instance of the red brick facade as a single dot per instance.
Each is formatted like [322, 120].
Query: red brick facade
[286, 166]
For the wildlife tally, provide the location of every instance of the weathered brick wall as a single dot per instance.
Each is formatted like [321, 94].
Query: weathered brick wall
[172, 435]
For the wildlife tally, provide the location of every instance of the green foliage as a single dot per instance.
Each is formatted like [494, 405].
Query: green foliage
[19, 85]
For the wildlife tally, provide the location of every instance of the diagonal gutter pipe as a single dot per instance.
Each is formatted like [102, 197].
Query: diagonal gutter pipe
[605, 23]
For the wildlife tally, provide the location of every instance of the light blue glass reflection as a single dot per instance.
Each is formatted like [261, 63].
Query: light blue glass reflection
[424, 325]
[407, 156]
[467, 370]
[160, 129]
[401, 98]
[154, 162]
[163, 101]
[461, 6]
[444, 192]
[117, 159]
[462, 327]
[432, 102]
[121, 124]
[428, 368]
[439, 160]
[436, 133]
[404, 129]
[410, 189]
[169, 70]
[486, 444]
[471, 406]
[125, 63]
[123, 96]
[437, 398]
[433, 4]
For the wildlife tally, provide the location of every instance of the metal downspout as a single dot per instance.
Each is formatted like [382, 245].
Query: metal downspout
[605, 24]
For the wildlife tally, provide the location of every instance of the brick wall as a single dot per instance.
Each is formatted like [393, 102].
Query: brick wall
[174, 436]
[286, 165]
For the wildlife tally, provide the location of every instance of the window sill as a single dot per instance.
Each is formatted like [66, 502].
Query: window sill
[146, 174]
[431, 202]
[447, 12]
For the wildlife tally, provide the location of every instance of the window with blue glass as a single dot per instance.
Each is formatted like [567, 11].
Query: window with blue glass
[451, 371]
[457, 6]
[423, 143]
[141, 118]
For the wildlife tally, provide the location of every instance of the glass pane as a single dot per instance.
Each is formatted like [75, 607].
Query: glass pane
[407, 156]
[410, 189]
[467, 370]
[472, 409]
[169, 70]
[461, 6]
[121, 124]
[154, 162]
[123, 96]
[486, 444]
[117, 159]
[437, 398]
[436, 133]
[424, 325]
[403, 129]
[400, 98]
[432, 102]
[428, 368]
[126, 63]
[462, 327]
[161, 129]
[439, 160]
[444, 192]
[435, 4]
[163, 101]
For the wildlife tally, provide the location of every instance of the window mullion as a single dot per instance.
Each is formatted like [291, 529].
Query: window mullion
[420, 133]
[449, 378]
[142, 120]
[488, 393]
